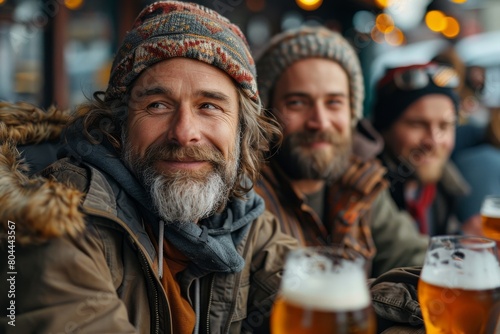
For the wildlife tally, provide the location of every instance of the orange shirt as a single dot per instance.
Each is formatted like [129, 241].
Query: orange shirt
[174, 262]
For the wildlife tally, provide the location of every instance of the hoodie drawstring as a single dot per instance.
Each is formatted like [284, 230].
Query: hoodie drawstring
[160, 247]
[197, 305]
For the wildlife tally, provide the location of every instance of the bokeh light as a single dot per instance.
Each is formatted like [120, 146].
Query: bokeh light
[363, 21]
[459, 1]
[258, 30]
[383, 3]
[452, 28]
[395, 38]
[384, 23]
[309, 4]
[73, 4]
[2, 2]
[377, 36]
[435, 20]
[291, 20]
[256, 5]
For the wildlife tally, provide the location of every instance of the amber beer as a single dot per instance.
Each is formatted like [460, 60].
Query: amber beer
[458, 288]
[490, 215]
[332, 298]
[292, 318]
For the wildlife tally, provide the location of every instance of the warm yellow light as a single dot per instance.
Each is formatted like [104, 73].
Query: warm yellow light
[383, 3]
[377, 36]
[73, 4]
[452, 27]
[384, 23]
[395, 37]
[2, 2]
[459, 1]
[435, 20]
[309, 4]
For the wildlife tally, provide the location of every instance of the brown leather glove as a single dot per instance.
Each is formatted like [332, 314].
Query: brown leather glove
[353, 196]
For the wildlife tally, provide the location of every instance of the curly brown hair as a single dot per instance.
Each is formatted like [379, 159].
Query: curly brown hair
[258, 132]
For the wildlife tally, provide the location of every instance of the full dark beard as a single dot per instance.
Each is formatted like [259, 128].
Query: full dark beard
[184, 195]
[302, 162]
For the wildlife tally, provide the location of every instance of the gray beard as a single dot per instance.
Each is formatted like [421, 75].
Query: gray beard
[186, 200]
[185, 197]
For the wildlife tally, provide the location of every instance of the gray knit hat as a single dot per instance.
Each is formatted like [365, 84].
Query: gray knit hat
[308, 42]
[168, 29]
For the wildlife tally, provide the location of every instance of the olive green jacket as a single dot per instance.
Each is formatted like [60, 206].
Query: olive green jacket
[85, 264]
[82, 260]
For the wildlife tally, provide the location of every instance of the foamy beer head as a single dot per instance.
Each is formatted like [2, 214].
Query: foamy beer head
[321, 292]
[490, 214]
[316, 280]
[459, 284]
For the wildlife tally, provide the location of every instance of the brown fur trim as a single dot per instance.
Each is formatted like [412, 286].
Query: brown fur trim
[41, 208]
[27, 124]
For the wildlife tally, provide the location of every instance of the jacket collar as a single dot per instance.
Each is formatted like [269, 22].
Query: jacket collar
[35, 204]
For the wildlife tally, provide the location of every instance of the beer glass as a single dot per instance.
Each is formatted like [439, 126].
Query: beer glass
[490, 215]
[459, 285]
[323, 292]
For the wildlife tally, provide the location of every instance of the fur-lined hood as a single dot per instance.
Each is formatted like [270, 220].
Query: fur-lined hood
[25, 124]
[41, 208]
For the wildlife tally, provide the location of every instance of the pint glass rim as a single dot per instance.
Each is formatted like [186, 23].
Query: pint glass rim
[476, 242]
[491, 201]
[492, 196]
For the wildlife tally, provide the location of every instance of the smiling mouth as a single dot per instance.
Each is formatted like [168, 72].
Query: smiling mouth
[183, 164]
[317, 144]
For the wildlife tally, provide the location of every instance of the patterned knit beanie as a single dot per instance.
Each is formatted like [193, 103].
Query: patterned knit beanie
[168, 29]
[309, 42]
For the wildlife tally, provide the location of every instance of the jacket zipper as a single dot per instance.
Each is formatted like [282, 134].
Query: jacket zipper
[238, 279]
[155, 291]
[212, 279]
[148, 265]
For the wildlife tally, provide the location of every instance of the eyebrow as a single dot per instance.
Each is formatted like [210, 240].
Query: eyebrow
[302, 94]
[157, 90]
[216, 95]
[152, 91]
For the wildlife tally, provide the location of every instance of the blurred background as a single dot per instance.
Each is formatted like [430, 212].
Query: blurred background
[60, 51]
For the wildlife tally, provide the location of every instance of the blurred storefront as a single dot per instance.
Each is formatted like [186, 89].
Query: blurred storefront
[60, 51]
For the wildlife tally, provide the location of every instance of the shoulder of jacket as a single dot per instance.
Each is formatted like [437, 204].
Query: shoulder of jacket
[41, 207]
[453, 181]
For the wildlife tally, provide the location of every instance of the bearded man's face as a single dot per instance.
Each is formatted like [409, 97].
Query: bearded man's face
[181, 138]
[311, 100]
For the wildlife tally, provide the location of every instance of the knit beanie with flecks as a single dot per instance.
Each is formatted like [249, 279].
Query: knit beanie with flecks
[310, 42]
[168, 29]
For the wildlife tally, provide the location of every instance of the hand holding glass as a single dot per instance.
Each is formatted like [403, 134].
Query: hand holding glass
[459, 285]
[322, 292]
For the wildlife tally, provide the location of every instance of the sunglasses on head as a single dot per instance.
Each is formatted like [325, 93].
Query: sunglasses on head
[414, 78]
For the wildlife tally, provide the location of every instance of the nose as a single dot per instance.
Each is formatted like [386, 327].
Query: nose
[432, 137]
[184, 128]
[318, 117]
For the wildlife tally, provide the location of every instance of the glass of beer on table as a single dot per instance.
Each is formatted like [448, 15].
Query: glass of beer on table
[490, 215]
[459, 285]
[323, 290]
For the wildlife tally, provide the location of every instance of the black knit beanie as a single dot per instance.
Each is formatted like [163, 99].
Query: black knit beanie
[391, 101]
